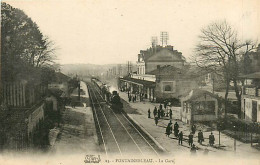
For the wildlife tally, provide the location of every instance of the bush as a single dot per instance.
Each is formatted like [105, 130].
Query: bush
[235, 124]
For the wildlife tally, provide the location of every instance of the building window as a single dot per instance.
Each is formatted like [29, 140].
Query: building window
[167, 88]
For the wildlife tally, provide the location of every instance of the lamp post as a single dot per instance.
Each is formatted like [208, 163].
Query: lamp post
[219, 128]
[235, 138]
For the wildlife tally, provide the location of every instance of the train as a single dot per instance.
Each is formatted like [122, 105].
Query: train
[111, 97]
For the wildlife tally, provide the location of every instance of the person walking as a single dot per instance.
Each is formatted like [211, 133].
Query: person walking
[156, 120]
[176, 129]
[130, 98]
[190, 139]
[211, 139]
[160, 107]
[170, 125]
[193, 128]
[162, 113]
[168, 130]
[149, 113]
[154, 111]
[180, 138]
[200, 137]
[170, 113]
[159, 113]
[165, 104]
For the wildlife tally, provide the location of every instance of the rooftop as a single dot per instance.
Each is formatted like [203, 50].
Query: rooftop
[139, 81]
[196, 93]
[186, 72]
[255, 75]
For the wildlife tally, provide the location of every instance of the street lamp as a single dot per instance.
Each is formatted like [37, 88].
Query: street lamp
[219, 129]
[235, 138]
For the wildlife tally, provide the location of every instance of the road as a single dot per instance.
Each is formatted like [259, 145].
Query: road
[117, 134]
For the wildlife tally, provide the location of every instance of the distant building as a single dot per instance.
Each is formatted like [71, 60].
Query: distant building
[159, 56]
[250, 99]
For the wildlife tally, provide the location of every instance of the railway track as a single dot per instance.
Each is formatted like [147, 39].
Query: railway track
[117, 133]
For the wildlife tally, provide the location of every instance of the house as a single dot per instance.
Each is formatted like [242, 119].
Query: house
[250, 98]
[199, 106]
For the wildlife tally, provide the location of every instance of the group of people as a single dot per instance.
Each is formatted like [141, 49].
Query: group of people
[175, 129]
[160, 113]
[132, 98]
[179, 135]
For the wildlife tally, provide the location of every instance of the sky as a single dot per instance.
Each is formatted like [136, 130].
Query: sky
[114, 31]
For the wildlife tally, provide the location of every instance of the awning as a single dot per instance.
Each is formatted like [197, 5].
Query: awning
[138, 81]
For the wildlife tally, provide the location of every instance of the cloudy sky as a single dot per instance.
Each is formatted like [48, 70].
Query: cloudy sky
[114, 31]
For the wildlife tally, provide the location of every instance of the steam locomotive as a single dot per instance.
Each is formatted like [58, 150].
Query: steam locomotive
[112, 98]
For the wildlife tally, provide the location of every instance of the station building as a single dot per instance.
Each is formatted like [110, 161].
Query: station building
[161, 75]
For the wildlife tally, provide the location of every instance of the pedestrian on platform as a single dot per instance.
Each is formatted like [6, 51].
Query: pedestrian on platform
[162, 113]
[176, 129]
[165, 105]
[211, 139]
[159, 113]
[200, 137]
[149, 113]
[156, 119]
[180, 138]
[135, 98]
[190, 139]
[130, 98]
[170, 113]
[160, 106]
[193, 128]
[170, 123]
[154, 111]
[168, 130]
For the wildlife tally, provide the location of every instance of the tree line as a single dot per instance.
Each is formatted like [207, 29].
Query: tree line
[25, 50]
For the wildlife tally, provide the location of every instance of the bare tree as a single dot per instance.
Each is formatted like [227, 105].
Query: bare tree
[220, 51]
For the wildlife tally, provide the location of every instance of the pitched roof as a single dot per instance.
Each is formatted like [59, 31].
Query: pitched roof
[164, 53]
[60, 77]
[255, 75]
[186, 72]
[196, 93]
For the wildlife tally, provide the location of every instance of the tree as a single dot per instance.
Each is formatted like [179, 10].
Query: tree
[23, 45]
[220, 52]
